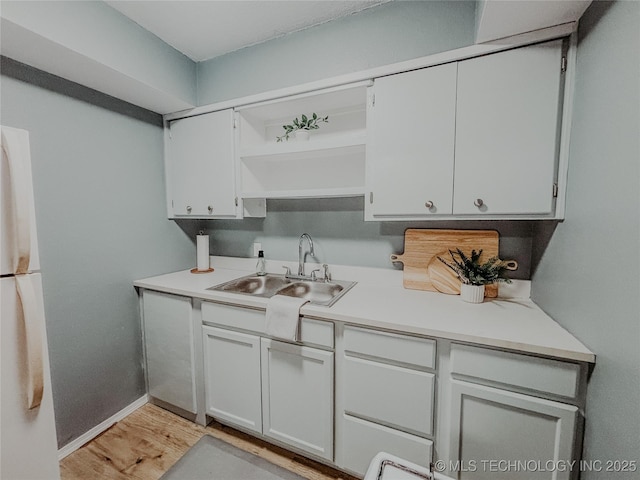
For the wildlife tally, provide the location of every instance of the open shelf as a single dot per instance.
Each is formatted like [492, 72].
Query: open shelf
[297, 147]
[330, 164]
[318, 172]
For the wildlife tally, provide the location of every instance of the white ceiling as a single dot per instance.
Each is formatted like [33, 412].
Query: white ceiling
[209, 28]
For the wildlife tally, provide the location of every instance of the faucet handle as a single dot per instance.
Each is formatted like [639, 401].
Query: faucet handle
[287, 271]
[314, 277]
[325, 273]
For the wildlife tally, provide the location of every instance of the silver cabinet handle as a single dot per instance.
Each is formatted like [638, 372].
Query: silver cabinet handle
[478, 203]
[429, 204]
[188, 208]
[210, 208]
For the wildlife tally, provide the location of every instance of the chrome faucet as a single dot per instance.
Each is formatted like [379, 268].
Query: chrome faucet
[301, 256]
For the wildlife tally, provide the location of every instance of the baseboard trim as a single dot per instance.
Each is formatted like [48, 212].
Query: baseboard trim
[71, 447]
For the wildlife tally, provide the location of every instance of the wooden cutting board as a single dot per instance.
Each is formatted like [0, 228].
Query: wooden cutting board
[421, 246]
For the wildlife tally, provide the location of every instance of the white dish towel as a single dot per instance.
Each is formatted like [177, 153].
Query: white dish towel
[283, 317]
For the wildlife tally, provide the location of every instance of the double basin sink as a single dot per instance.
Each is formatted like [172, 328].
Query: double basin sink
[318, 292]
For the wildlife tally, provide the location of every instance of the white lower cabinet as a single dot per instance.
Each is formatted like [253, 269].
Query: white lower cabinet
[281, 390]
[486, 413]
[232, 370]
[169, 349]
[498, 434]
[297, 396]
[385, 397]
[513, 416]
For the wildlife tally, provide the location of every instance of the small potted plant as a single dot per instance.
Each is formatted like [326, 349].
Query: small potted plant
[475, 275]
[300, 128]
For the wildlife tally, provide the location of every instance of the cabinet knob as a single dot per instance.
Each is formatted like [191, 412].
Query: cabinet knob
[429, 204]
[478, 202]
[210, 208]
[188, 208]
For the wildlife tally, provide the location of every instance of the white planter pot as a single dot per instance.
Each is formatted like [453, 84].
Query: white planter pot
[472, 293]
[301, 134]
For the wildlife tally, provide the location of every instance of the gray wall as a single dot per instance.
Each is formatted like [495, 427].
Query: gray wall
[587, 278]
[99, 32]
[388, 33]
[341, 236]
[100, 210]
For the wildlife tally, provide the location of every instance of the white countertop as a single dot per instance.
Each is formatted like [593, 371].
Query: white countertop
[379, 300]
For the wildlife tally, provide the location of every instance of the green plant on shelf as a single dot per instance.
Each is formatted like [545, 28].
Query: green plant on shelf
[472, 272]
[304, 123]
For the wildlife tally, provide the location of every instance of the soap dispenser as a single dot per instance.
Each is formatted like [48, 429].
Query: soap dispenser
[260, 266]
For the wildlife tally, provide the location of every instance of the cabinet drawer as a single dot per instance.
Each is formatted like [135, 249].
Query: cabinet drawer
[363, 440]
[393, 395]
[522, 371]
[315, 332]
[416, 351]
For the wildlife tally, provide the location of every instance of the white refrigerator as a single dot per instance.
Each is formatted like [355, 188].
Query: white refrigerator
[28, 445]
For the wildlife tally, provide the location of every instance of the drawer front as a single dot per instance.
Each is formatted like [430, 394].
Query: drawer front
[314, 332]
[416, 351]
[522, 371]
[362, 440]
[396, 396]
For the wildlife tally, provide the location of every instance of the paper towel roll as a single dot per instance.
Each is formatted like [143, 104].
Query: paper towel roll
[202, 252]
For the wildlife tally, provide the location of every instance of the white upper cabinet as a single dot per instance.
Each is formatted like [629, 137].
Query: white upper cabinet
[471, 138]
[200, 166]
[331, 162]
[479, 137]
[411, 143]
[507, 130]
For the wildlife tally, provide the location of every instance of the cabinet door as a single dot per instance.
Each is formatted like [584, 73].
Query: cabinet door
[297, 396]
[411, 145]
[497, 434]
[169, 349]
[200, 165]
[507, 127]
[232, 369]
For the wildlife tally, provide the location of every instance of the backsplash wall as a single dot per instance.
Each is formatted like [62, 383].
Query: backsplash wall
[341, 236]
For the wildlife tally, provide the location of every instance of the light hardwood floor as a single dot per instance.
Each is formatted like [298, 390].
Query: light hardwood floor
[150, 440]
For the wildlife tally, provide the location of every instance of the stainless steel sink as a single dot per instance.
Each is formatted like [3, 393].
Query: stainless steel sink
[317, 292]
[258, 286]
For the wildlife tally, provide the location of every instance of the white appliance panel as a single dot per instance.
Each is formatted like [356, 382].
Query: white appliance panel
[28, 437]
[16, 192]
[28, 445]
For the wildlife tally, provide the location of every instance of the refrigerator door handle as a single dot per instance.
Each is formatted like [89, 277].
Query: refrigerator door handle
[11, 144]
[33, 327]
